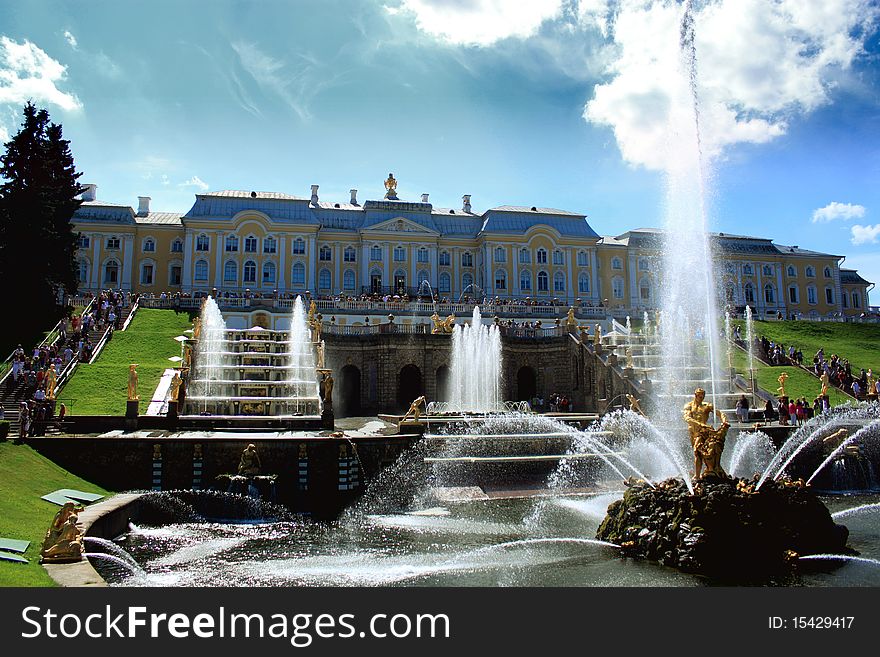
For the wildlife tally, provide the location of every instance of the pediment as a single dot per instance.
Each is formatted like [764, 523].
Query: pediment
[399, 225]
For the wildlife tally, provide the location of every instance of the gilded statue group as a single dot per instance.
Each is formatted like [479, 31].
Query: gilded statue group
[64, 539]
[442, 326]
[706, 440]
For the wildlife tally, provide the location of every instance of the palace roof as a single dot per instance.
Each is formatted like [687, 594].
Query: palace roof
[852, 277]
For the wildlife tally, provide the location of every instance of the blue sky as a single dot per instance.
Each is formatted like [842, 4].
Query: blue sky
[559, 103]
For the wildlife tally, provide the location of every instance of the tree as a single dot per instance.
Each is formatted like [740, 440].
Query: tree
[38, 196]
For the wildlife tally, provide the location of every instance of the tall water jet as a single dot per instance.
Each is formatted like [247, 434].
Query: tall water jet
[210, 347]
[750, 340]
[475, 368]
[689, 335]
[303, 384]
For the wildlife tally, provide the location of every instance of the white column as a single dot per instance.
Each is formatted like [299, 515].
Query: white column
[782, 297]
[95, 274]
[569, 258]
[282, 264]
[514, 284]
[365, 266]
[387, 252]
[188, 259]
[435, 266]
[337, 258]
[127, 261]
[218, 261]
[488, 290]
[594, 274]
[632, 262]
[456, 282]
[412, 253]
[759, 300]
[312, 264]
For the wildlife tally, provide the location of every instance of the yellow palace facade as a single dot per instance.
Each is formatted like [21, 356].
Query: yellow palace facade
[268, 243]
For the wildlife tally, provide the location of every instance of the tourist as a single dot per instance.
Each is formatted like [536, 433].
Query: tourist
[742, 409]
[769, 411]
[792, 411]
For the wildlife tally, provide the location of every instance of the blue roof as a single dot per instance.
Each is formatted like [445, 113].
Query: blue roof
[509, 219]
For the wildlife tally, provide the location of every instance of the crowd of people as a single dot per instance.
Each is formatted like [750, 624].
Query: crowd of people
[556, 403]
[37, 371]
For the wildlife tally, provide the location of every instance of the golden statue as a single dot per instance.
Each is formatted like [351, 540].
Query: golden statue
[320, 349]
[391, 187]
[597, 335]
[415, 409]
[570, 321]
[63, 541]
[132, 383]
[707, 441]
[51, 382]
[176, 382]
[629, 358]
[442, 325]
[634, 405]
[197, 328]
[249, 465]
[834, 440]
[781, 389]
[327, 387]
[825, 381]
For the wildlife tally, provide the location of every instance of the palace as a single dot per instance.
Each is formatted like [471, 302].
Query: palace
[272, 243]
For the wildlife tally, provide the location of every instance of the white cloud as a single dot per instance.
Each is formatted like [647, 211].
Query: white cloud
[865, 234]
[758, 64]
[835, 210]
[478, 22]
[68, 35]
[195, 181]
[165, 179]
[28, 73]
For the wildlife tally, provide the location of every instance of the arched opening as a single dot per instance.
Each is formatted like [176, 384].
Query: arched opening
[409, 386]
[526, 383]
[442, 383]
[349, 402]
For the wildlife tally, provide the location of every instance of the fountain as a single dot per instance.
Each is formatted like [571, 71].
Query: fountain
[475, 371]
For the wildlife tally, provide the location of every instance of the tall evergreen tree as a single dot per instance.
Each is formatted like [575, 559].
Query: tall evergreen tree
[38, 196]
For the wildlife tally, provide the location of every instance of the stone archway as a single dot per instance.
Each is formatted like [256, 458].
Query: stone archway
[349, 388]
[442, 383]
[526, 383]
[409, 386]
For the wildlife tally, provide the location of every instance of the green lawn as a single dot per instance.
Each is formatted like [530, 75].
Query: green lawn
[101, 388]
[24, 477]
[858, 343]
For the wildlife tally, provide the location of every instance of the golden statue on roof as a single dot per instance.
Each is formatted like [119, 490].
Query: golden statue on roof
[391, 187]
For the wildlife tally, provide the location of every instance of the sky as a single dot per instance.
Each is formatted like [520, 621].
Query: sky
[569, 104]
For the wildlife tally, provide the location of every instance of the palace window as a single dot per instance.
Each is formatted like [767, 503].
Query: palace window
[324, 254]
[83, 241]
[829, 296]
[543, 281]
[644, 265]
[147, 274]
[250, 244]
[444, 258]
[250, 272]
[268, 273]
[299, 246]
[111, 272]
[525, 257]
[270, 245]
[467, 283]
[645, 290]
[467, 260]
[376, 254]
[422, 255]
[559, 282]
[617, 287]
[541, 257]
[177, 246]
[399, 254]
[793, 294]
[112, 243]
[324, 279]
[500, 280]
[857, 300]
[769, 294]
[747, 270]
[174, 274]
[349, 254]
[201, 270]
[792, 272]
[203, 243]
[827, 272]
[843, 301]
[582, 259]
[768, 270]
[500, 255]
[232, 244]
[811, 294]
[811, 271]
[525, 281]
[749, 293]
[230, 272]
[445, 283]
[558, 257]
[83, 267]
[298, 275]
[584, 284]
[348, 279]
[616, 263]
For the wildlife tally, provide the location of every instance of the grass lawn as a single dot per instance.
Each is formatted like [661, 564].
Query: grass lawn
[24, 477]
[798, 384]
[858, 343]
[102, 388]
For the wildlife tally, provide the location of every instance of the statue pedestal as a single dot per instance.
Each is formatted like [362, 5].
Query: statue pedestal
[172, 412]
[411, 427]
[327, 417]
[131, 413]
